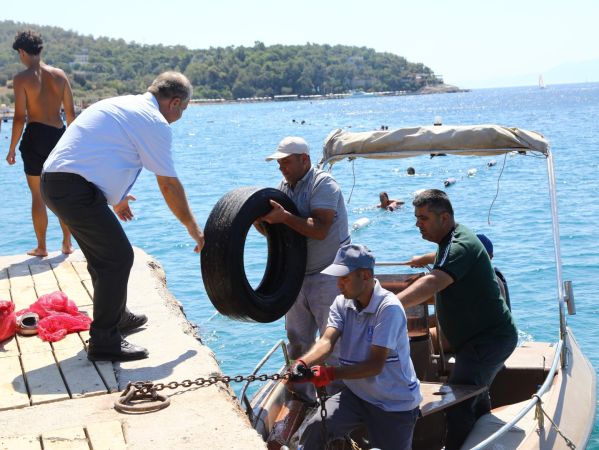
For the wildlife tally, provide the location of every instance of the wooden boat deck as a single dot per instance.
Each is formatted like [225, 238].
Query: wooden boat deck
[53, 398]
[33, 372]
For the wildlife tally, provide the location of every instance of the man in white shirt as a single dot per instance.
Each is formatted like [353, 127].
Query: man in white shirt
[95, 164]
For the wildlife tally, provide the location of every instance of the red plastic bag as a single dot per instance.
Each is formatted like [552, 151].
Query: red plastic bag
[58, 316]
[8, 320]
[54, 327]
[56, 302]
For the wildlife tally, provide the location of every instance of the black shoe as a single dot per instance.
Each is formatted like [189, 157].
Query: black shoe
[120, 351]
[131, 321]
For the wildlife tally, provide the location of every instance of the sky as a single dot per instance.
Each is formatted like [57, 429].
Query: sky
[470, 43]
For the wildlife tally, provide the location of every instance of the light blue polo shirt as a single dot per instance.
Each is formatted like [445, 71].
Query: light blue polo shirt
[319, 190]
[382, 323]
[112, 140]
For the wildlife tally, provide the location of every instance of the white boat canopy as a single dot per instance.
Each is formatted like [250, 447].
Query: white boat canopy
[474, 140]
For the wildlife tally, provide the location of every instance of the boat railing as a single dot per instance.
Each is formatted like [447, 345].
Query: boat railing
[243, 398]
[536, 398]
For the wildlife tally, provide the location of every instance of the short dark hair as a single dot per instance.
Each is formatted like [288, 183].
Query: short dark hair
[28, 41]
[170, 85]
[436, 200]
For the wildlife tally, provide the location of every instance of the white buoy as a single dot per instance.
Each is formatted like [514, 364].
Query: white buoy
[449, 182]
[472, 172]
[491, 163]
[361, 223]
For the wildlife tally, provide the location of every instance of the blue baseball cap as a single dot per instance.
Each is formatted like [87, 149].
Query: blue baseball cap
[487, 244]
[349, 258]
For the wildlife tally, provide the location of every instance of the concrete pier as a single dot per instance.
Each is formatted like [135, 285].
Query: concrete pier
[52, 397]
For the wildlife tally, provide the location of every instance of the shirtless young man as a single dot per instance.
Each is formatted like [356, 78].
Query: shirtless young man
[40, 91]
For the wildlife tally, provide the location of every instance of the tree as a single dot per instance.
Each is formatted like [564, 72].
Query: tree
[103, 66]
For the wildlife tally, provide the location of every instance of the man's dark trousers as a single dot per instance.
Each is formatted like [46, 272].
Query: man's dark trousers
[475, 365]
[83, 208]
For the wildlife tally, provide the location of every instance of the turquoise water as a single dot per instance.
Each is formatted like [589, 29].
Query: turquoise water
[221, 147]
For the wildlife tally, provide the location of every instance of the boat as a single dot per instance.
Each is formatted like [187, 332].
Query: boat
[543, 398]
[541, 82]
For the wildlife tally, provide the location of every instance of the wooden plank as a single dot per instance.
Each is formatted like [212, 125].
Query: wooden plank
[89, 287]
[84, 335]
[88, 310]
[13, 392]
[104, 368]
[81, 269]
[65, 439]
[106, 371]
[9, 348]
[70, 283]
[44, 280]
[43, 378]
[71, 340]
[23, 295]
[5, 293]
[80, 374]
[20, 443]
[32, 345]
[4, 283]
[19, 275]
[78, 294]
[106, 436]
[438, 396]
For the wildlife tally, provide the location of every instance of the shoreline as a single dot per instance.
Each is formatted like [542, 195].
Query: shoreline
[6, 114]
[427, 90]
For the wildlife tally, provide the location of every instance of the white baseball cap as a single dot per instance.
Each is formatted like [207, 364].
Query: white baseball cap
[291, 145]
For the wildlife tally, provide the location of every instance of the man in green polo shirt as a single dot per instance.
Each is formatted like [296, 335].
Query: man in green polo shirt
[472, 314]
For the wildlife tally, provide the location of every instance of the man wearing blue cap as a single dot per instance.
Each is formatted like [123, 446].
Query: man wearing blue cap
[382, 392]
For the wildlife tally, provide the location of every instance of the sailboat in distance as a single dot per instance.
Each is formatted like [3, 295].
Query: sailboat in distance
[541, 82]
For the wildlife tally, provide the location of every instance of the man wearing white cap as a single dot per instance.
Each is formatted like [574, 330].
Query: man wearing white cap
[383, 392]
[323, 220]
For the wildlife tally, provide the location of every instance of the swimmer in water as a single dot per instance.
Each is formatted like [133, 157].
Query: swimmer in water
[390, 205]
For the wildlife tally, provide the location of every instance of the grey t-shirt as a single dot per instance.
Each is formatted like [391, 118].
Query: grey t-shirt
[318, 190]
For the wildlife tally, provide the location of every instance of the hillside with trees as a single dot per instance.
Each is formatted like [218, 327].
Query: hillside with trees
[103, 67]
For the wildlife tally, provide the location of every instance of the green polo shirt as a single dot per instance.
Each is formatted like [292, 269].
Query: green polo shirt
[471, 308]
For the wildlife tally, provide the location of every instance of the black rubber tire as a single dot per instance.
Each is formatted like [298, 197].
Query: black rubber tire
[223, 270]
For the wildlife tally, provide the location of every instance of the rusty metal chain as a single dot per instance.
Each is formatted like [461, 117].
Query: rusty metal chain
[142, 396]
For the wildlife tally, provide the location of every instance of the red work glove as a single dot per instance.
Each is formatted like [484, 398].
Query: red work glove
[322, 375]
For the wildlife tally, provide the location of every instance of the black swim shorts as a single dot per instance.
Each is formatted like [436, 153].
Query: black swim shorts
[36, 144]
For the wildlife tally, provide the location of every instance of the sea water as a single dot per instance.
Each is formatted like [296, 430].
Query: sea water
[218, 148]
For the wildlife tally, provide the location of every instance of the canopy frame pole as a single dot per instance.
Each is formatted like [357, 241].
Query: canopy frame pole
[557, 250]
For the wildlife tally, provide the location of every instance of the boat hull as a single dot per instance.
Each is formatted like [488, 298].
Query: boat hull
[569, 403]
